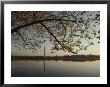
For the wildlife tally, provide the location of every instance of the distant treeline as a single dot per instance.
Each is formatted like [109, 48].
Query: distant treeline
[64, 58]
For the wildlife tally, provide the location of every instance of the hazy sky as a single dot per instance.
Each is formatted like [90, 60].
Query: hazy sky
[93, 49]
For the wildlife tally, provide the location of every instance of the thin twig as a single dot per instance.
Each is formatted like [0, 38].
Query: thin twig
[21, 36]
[63, 27]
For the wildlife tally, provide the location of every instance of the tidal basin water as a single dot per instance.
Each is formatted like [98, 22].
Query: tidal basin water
[52, 68]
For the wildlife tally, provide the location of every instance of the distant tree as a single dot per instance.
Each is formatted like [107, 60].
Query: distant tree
[65, 30]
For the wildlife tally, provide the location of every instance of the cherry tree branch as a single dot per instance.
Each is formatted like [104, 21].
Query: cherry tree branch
[38, 21]
[63, 27]
[57, 39]
[21, 36]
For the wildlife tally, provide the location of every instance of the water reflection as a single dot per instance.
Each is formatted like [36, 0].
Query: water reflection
[52, 68]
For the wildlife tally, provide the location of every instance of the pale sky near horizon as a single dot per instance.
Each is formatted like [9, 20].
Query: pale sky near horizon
[93, 49]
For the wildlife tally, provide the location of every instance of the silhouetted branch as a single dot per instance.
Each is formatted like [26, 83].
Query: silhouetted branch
[63, 27]
[38, 21]
[21, 36]
[56, 38]
[78, 25]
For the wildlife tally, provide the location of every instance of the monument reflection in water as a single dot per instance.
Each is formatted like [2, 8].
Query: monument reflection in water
[52, 68]
[80, 66]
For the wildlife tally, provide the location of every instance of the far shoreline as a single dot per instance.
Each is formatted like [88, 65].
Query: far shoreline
[56, 58]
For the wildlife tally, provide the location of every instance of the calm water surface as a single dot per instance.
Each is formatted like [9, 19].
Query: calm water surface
[41, 68]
